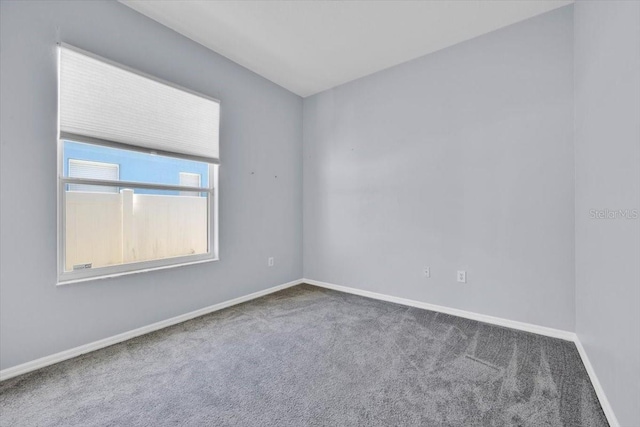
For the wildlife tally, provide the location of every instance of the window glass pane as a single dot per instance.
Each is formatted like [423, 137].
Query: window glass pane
[189, 179]
[93, 170]
[132, 166]
[132, 225]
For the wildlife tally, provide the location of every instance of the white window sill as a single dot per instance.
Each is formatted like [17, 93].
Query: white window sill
[61, 281]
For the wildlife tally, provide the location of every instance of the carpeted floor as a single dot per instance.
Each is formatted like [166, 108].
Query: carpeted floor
[308, 356]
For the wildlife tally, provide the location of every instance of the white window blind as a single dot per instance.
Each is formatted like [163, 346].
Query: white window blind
[93, 170]
[99, 99]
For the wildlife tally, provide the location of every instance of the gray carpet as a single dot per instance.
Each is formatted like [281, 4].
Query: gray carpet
[313, 357]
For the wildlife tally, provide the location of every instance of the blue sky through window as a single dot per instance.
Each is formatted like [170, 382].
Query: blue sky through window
[137, 166]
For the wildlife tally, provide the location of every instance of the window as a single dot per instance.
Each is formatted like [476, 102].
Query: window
[189, 179]
[138, 164]
[94, 170]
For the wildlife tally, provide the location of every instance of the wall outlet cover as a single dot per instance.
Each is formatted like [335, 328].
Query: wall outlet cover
[462, 276]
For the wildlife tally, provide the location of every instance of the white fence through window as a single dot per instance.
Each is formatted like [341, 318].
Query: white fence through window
[105, 229]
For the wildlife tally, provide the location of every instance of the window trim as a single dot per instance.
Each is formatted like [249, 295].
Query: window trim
[67, 277]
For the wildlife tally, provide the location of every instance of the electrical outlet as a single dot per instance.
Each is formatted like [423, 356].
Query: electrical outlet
[270, 262]
[427, 272]
[462, 276]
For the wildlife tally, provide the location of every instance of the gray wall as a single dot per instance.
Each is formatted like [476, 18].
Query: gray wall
[462, 159]
[607, 151]
[260, 215]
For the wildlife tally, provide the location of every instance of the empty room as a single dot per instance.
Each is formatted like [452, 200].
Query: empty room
[320, 213]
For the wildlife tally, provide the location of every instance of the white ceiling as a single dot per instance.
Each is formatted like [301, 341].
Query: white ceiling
[310, 46]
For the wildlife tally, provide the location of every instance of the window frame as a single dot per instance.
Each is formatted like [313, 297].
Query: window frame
[213, 210]
[66, 277]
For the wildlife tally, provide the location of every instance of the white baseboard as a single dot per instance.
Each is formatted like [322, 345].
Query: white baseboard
[604, 402]
[522, 326]
[14, 371]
